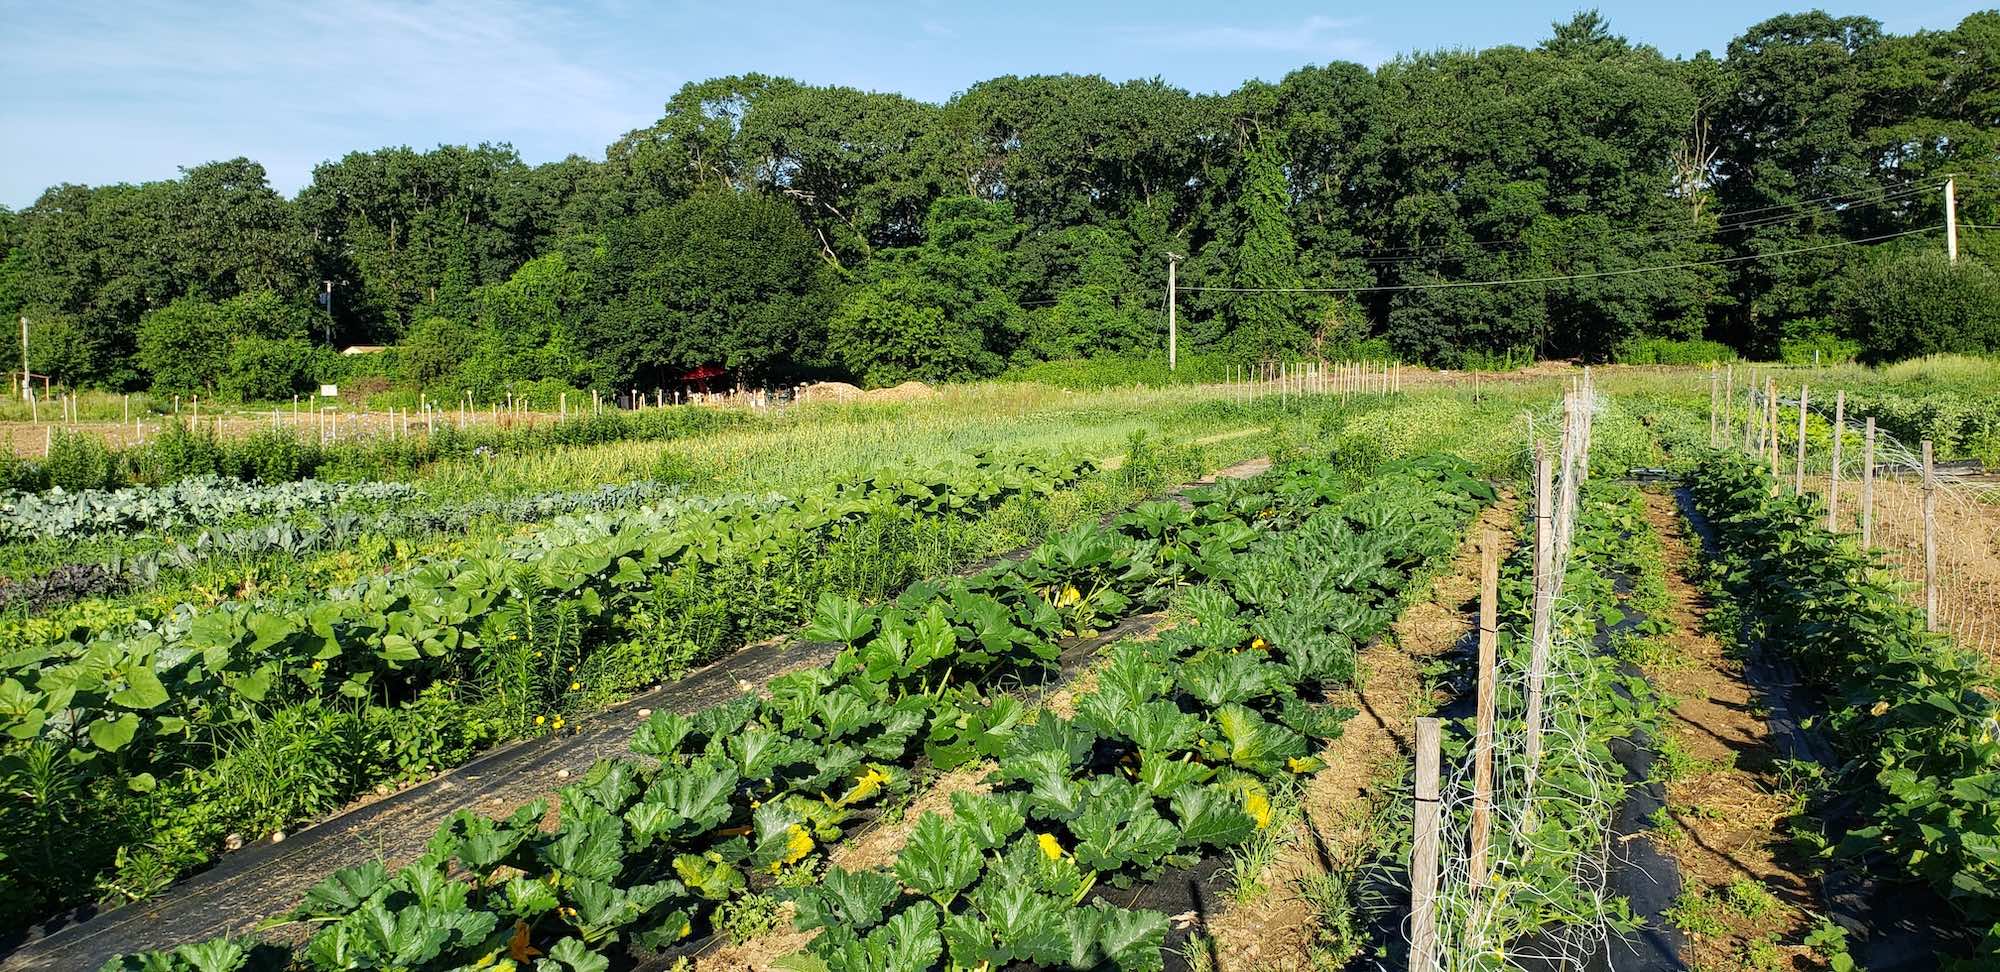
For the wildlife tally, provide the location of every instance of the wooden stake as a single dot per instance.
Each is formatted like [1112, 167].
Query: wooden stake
[1541, 630]
[1799, 476]
[1482, 740]
[1833, 476]
[1728, 397]
[1424, 851]
[1714, 401]
[1930, 541]
[1771, 426]
[1868, 484]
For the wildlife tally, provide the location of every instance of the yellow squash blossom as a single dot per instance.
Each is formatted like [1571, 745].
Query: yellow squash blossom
[798, 843]
[1259, 644]
[1258, 806]
[1050, 846]
[866, 785]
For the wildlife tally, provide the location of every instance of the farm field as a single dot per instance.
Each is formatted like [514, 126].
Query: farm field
[1171, 733]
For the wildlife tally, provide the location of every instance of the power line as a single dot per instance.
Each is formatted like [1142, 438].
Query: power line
[1456, 284]
[1502, 246]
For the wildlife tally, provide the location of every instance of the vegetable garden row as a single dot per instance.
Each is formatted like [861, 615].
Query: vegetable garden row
[125, 740]
[1912, 717]
[1176, 751]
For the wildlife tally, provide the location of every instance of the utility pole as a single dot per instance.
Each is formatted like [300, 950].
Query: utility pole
[1173, 329]
[1951, 218]
[27, 380]
[327, 300]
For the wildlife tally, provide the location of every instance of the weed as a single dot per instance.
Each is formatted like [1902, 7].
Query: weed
[748, 917]
[1751, 899]
[1698, 914]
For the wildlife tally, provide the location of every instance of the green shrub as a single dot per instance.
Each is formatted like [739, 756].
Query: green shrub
[1673, 351]
[179, 451]
[77, 462]
[19, 474]
[1819, 349]
[265, 369]
[272, 456]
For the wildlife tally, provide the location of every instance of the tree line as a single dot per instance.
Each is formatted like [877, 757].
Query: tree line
[786, 230]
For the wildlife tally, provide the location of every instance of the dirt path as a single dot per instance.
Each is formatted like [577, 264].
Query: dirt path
[1729, 795]
[1297, 912]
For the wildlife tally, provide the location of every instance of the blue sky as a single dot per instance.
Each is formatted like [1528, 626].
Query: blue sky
[100, 92]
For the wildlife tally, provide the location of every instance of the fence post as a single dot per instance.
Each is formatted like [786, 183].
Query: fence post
[1833, 476]
[1714, 395]
[1771, 427]
[1799, 475]
[1728, 397]
[1424, 851]
[1930, 541]
[1868, 484]
[1538, 662]
[1482, 740]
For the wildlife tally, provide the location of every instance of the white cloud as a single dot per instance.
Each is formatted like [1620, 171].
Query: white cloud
[1315, 36]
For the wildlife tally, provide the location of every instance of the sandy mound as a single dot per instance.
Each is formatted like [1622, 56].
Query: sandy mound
[829, 391]
[907, 391]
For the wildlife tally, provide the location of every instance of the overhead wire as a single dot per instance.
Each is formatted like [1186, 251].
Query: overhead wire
[1871, 196]
[1562, 278]
[1504, 246]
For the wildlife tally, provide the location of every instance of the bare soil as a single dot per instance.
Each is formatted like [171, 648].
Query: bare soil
[1727, 803]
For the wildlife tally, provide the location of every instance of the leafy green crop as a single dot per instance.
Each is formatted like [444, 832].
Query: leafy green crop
[1905, 707]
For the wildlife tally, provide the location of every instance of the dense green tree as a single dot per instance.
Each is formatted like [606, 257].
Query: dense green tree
[724, 277]
[1032, 216]
[954, 287]
[1913, 301]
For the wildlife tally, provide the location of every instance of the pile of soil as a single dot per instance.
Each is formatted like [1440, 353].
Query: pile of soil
[829, 391]
[905, 392]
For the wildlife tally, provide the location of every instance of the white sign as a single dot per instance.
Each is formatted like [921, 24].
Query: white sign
[329, 391]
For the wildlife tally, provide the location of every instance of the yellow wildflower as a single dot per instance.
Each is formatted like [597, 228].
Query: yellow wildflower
[1050, 846]
[573, 686]
[1259, 644]
[539, 720]
[559, 722]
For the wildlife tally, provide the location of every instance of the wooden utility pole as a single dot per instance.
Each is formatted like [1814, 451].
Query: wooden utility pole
[1833, 477]
[1424, 850]
[1951, 219]
[1930, 541]
[1868, 484]
[1482, 740]
[27, 378]
[1173, 326]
